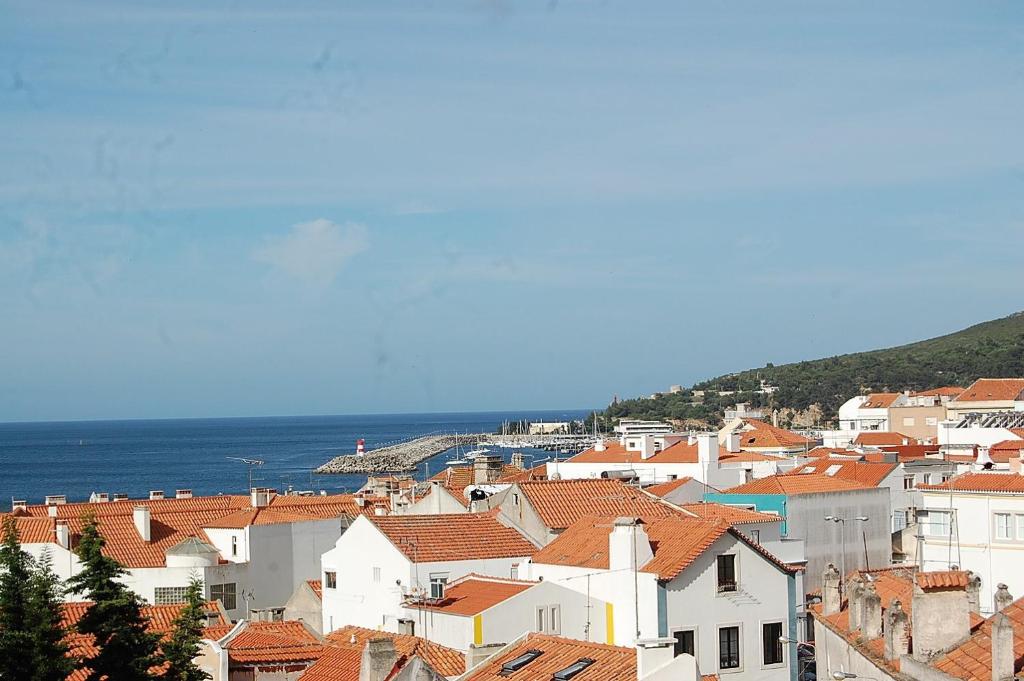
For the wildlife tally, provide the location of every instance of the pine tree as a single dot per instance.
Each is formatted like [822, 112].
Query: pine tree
[182, 647]
[126, 650]
[15, 570]
[48, 648]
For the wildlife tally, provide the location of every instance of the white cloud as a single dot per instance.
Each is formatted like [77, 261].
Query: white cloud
[315, 252]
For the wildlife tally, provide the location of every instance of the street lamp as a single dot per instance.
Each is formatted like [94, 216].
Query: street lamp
[842, 532]
[801, 666]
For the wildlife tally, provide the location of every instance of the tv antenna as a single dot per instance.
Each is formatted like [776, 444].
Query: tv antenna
[251, 463]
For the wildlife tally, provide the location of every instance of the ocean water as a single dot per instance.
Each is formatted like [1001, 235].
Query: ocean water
[77, 458]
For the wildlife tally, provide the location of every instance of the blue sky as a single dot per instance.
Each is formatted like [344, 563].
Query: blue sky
[226, 208]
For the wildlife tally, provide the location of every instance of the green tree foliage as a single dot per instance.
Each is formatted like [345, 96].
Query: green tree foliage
[48, 648]
[126, 650]
[990, 349]
[15, 571]
[182, 647]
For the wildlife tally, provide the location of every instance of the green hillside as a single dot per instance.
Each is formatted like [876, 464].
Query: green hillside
[994, 348]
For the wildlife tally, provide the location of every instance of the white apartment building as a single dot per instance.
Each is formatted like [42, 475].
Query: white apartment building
[382, 561]
[869, 412]
[717, 595]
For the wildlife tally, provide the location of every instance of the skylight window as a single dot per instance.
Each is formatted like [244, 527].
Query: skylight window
[518, 663]
[832, 470]
[573, 669]
[809, 469]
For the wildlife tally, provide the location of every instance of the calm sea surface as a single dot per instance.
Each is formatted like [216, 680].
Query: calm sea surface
[134, 457]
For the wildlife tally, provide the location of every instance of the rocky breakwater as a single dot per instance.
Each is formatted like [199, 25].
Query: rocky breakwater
[398, 458]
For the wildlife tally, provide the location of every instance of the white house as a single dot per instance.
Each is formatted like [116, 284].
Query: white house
[382, 561]
[976, 521]
[869, 412]
[988, 395]
[251, 552]
[715, 593]
[486, 611]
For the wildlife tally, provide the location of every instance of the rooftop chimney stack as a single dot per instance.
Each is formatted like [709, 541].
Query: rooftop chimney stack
[259, 497]
[629, 548]
[379, 658]
[1002, 597]
[732, 442]
[974, 592]
[653, 654]
[831, 599]
[707, 450]
[62, 534]
[51, 511]
[870, 612]
[156, 494]
[854, 596]
[1003, 656]
[182, 494]
[141, 516]
[897, 632]
[517, 460]
[939, 613]
[486, 469]
[646, 446]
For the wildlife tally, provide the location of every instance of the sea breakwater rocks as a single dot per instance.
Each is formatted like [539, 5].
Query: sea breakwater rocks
[395, 458]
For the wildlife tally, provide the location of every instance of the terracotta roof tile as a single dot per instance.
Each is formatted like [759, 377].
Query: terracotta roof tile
[972, 661]
[792, 485]
[273, 642]
[459, 536]
[560, 503]
[335, 664]
[445, 661]
[611, 663]
[866, 473]
[734, 515]
[663, 488]
[879, 438]
[259, 516]
[950, 579]
[761, 435]
[457, 478]
[992, 390]
[317, 587]
[1010, 483]
[879, 400]
[945, 391]
[473, 594]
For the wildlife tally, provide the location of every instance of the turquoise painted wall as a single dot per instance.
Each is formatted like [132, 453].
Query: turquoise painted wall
[773, 503]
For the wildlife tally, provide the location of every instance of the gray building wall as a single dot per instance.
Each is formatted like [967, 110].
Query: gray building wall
[823, 540]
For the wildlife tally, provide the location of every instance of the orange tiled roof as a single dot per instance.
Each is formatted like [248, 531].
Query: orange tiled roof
[679, 452]
[992, 390]
[258, 516]
[273, 643]
[611, 663]
[1002, 452]
[1010, 483]
[458, 536]
[663, 488]
[536, 473]
[880, 438]
[473, 594]
[734, 515]
[879, 400]
[792, 485]
[457, 478]
[867, 473]
[317, 587]
[945, 391]
[335, 664]
[761, 435]
[819, 452]
[33, 530]
[950, 579]
[972, 660]
[560, 503]
[445, 661]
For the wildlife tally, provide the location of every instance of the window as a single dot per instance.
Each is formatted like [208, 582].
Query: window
[771, 646]
[573, 669]
[515, 499]
[330, 580]
[808, 470]
[686, 642]
[554, 620]
[1004, 526]
[756, 536]
[908, 482]
[673, 477]
[515, 571]
[833, 469]
[166, 595]
[540, 619]
[234, 545]
[931, 421]
[908, 420]
[437, 585]
[899, 520]
[1020, 526]
[729, 648]
[225, 593]
[376, 575]
[936, 523]
[726, 573]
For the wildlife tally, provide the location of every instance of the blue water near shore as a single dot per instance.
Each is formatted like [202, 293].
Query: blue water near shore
[77, 458]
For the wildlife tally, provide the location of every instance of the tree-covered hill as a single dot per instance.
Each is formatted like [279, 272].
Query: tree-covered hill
[994, 348]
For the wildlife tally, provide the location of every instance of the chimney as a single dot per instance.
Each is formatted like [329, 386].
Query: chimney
[600, 446]
[831, 599]
[870, 612]
[259, 497]
[55, 499]
[732, 442]
[18, 505]
[360, 500]
[62, 534]
[897, 633]
[476, 654]
[1003, 656]
[517, 460]
[156, 494]
[854, 595]
[939, 613]
[653, 654]
[974, 592]
[379, 658]
[1002, 597]
[628, 545]
[142, 518]
[707, 450]
[182, 494]
[486, 469]
[51, 511]
[646, 446]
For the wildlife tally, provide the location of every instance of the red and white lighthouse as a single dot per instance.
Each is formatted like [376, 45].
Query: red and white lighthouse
[360, 447]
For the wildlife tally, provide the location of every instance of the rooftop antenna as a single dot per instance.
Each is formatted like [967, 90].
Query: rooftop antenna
[251, 463]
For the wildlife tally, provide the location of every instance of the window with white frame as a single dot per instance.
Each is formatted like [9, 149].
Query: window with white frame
[554, 619]
[908, 420]
[726, 573]
[908, 482]
[226, 594]
[438, 582]
[686, 642]
[936, 523]
[330, 579]
[899, 520]
[771, 646]
[234, 545]
[376, 575]
[1004, 526]
[166, 595]
[729, 647]
[931, 421]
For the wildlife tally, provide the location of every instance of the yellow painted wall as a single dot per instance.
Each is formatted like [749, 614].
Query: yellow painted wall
[478, 629]
[609, 623]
